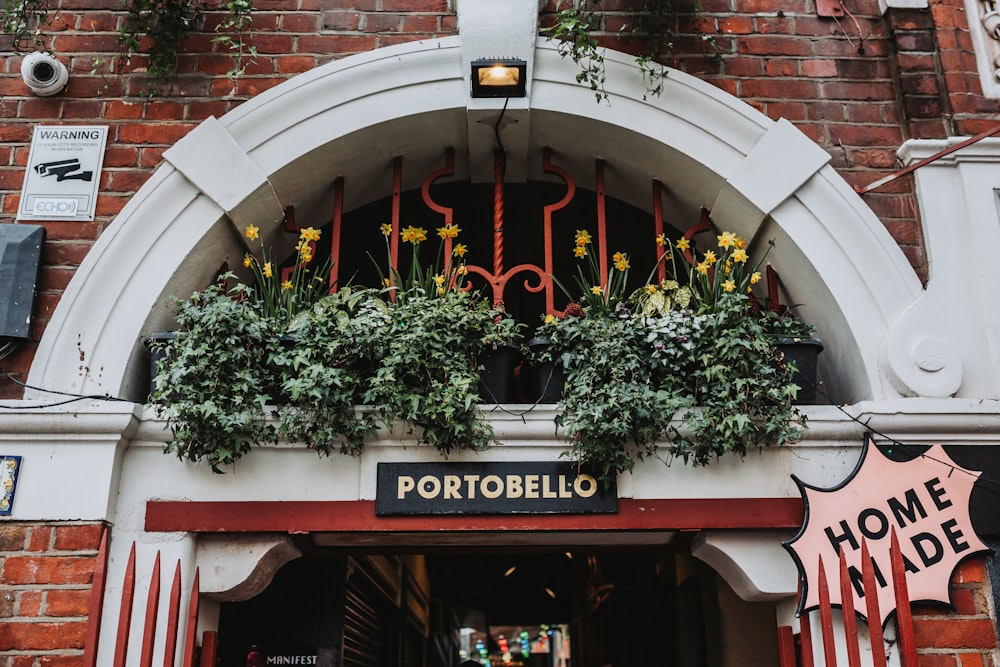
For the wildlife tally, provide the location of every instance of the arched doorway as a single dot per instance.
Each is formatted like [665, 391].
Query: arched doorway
[287, 147]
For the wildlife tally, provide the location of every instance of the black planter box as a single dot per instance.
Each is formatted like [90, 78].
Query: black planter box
[803, 352]
[496, 382]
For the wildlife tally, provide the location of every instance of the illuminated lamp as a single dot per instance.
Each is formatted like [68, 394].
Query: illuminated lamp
[499, 77]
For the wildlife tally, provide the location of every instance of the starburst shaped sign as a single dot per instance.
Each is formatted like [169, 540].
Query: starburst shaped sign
[925, 501]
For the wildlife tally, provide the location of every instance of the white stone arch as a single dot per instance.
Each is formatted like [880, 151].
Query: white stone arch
[761, 178]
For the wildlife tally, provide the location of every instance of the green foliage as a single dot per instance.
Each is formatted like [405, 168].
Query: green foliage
[325, 372]
[214, 382]
[285, 296]
[154, 27]
[428, 374]
[231, 35]
[685, 366]
[694, 386]
[654, 26]
[165, 23]
[23, 21]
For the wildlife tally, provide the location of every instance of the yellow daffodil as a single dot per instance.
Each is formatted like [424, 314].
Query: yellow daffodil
[710, 257]
[253, 232]
[247, 261]
[550, 318]
[661, 240]
[729, 267]
[622, 264]
[439, 279]
[651, 289]
[385, 228]
[441, 291]
[740, 255]
[617, 257]
[459, 250]
[413, 234]
[755, 278]
[702, 268]
[448, 231]
[741, 242]
[729, 285]
[596, 289]
[309, 234]
[726, 240]
[267, 270]
[582, 237]
[580, 251]
[683, 244]
[462, 270]
[385, 282]
[286, 285]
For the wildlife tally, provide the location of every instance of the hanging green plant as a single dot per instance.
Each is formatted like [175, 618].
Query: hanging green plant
[655, 27]
[165, 23]
[22, 21]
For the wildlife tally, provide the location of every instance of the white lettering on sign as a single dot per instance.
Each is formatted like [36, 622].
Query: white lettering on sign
[55, 207]
[470, 487]
[924, 501]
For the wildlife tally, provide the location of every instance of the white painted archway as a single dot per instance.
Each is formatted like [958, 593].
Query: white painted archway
[761, 179]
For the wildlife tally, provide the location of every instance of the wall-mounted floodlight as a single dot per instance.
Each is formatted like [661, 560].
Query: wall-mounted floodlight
[499, 77]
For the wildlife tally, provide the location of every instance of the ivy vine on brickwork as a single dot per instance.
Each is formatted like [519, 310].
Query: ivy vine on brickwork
[654, 26]
[153, 27]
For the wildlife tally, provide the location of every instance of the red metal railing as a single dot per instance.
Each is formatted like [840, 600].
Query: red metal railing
[794, 652]
[191, 656]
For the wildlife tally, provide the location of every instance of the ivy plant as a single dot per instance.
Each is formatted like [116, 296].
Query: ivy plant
[325, 371]
[155, 27]
[23, 21]
[428, 374]
[215, 381]
[654, 26]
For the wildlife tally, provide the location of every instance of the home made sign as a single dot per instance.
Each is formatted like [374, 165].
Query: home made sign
[925, 501]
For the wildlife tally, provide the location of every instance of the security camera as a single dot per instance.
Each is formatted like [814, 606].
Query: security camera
[43, 74]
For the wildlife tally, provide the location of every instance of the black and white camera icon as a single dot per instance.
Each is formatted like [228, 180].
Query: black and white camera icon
[63, 170]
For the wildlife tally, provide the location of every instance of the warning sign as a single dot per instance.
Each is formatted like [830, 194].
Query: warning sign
[64, 172]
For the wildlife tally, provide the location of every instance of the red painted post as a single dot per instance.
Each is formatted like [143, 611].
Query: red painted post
[847, 610]
[152, 605]
[904, 619]
[96, 608]
[547, 212]
[871, 604]
[826, 618]
[786, 647]
[806, 641]
[425, 193]
[335, 231]
[397, 184]
[602, 220]
[209, 642]
[661, 267]
[173, 618]
[192, 622]
[125, 615]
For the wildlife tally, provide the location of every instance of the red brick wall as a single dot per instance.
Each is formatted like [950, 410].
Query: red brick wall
[965, 637]
[46, 572]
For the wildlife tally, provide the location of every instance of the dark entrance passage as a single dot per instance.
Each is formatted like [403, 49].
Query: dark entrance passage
[551, 607]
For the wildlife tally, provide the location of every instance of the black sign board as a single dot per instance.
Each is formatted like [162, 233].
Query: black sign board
[491, 488]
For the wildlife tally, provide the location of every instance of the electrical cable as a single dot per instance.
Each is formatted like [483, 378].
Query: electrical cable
[73, 397]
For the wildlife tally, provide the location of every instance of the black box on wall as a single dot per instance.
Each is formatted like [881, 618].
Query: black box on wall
[20, 256]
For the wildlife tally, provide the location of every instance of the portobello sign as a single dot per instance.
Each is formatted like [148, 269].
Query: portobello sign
[925, 501]
[491, 488]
